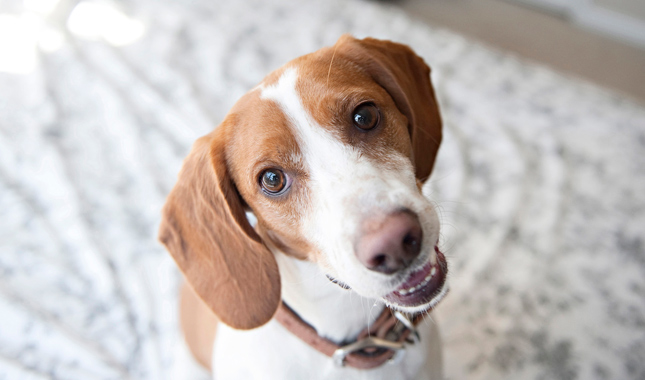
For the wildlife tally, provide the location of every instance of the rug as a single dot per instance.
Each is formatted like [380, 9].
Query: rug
[539, 183]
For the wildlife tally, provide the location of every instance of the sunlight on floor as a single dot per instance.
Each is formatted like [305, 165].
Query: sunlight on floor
[40, 6]
[99, 20]
[18, 35]
[23, 35]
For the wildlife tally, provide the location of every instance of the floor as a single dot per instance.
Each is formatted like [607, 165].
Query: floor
[542, 37]
[538, 187]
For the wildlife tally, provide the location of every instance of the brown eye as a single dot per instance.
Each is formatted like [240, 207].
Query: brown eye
[366, 116]
[273, 181]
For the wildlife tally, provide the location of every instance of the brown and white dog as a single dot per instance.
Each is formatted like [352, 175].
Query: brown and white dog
[328, 153]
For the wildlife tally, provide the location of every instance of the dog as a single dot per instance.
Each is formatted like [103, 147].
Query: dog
[336, 279]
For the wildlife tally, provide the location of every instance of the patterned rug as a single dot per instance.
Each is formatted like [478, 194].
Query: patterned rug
[540, 183]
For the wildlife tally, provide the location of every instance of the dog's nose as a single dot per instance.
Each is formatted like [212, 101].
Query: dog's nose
[393, 245]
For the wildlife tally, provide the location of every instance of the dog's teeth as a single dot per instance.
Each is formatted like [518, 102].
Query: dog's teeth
[423, 283]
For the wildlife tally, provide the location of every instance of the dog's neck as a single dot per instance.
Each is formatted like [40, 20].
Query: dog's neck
[337, 314]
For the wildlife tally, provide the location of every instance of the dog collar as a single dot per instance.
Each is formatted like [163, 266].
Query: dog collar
[382, 342]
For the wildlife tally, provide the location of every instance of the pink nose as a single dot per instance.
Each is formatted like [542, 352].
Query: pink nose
[393, 245]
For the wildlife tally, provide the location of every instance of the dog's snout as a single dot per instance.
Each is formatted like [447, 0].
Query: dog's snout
[393, 245]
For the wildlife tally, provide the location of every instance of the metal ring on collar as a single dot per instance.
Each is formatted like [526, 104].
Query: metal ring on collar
[407, 323]
[341, 353]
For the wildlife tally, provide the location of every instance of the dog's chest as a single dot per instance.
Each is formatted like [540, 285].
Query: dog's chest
[271, 352]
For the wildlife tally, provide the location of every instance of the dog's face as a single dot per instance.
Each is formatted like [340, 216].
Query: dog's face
[328, 152]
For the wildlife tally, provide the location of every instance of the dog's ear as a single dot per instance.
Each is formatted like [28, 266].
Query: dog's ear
[205, 229]
[406, 77]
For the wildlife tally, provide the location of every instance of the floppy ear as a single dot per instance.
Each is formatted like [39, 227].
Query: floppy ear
[406, 77]
[205, 229]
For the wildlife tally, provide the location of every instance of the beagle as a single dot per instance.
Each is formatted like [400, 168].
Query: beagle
[328, 153]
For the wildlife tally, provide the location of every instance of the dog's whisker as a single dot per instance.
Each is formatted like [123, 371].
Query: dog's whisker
[330, 63]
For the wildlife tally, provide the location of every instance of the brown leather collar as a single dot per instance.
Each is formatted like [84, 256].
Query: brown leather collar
[375, 345]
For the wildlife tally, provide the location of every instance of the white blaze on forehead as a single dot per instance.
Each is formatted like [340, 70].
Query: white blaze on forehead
[344, 187]
[327, 161]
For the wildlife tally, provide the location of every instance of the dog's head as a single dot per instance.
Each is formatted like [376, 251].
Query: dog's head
[329, 153]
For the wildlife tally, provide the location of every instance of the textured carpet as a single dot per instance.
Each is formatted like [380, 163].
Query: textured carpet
[540, 183]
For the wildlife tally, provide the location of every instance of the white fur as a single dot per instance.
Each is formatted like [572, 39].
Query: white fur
[345, 188]
[184, 365]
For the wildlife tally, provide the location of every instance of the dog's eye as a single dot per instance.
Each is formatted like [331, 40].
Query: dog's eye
[366, 116]
[273, 181]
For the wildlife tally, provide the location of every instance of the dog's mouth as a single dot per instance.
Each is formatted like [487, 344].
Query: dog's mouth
[423, 288]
